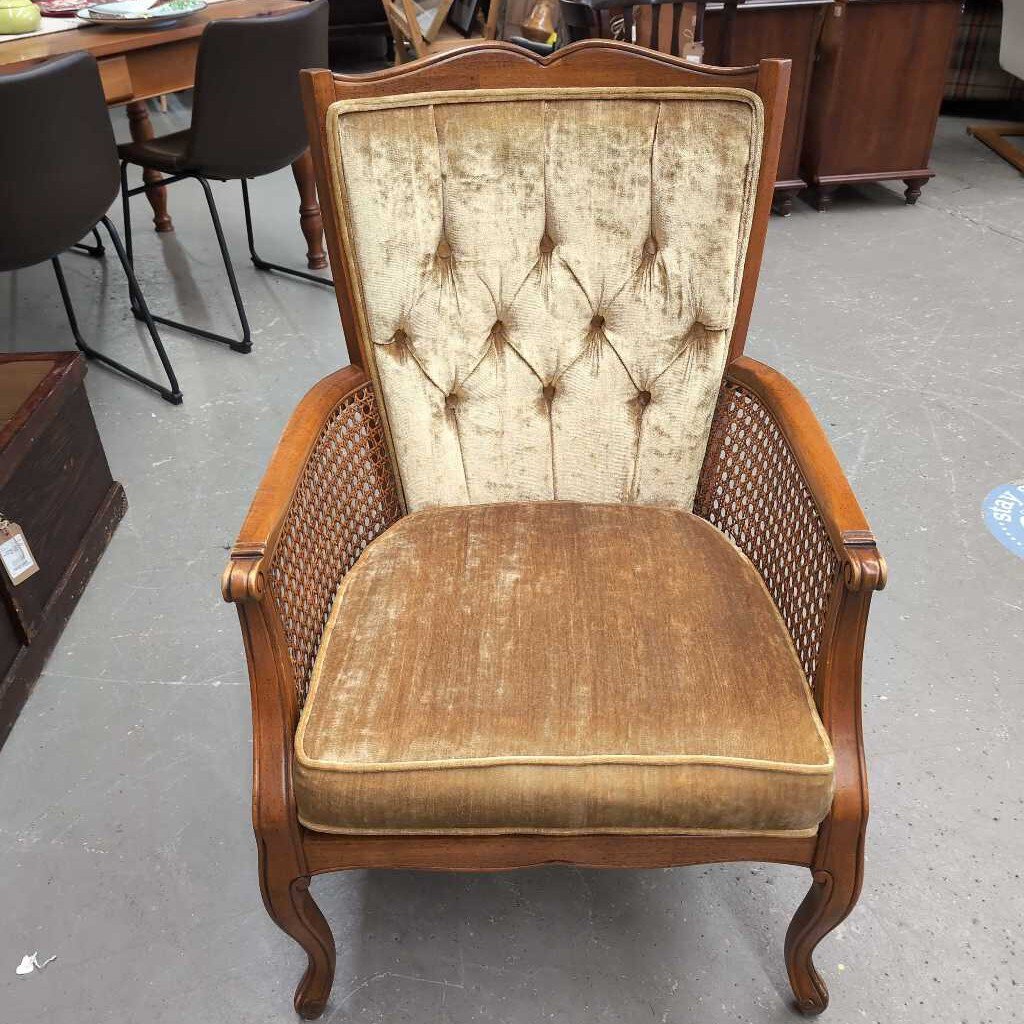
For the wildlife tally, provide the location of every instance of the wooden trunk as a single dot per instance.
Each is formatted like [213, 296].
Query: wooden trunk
[876, 93]
[775, 28]
[56, 484]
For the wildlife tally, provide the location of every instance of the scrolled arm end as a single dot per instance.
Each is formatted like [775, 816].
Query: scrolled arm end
[329, 491]
[865, 568]
[243, 580]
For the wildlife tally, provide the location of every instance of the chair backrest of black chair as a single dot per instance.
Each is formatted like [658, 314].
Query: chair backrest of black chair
[58, 158]
[247, 117]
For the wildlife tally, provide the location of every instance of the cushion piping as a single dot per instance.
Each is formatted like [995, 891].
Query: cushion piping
[803, 833]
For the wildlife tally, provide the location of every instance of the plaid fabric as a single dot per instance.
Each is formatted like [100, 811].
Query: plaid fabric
[974, 71]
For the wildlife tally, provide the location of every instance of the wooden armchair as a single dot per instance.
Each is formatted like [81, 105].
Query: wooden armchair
[419, 27]
[657, 24]
[491, 588]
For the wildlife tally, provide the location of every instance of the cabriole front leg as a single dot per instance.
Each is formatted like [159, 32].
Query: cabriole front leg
[833, 894]
[295, 912]
[838, 866]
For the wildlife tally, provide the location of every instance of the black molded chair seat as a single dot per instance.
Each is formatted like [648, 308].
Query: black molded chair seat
[168, 153]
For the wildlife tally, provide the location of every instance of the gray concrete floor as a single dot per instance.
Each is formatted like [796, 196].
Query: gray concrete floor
[125, 845]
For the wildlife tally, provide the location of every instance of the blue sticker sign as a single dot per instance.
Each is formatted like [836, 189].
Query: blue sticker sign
[1004, 516]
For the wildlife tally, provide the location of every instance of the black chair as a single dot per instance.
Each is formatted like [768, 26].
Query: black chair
[247, 121]
[60, 177]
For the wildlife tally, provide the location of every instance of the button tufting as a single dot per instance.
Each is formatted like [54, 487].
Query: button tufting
[650, 246]
[400, 337]
[549, 393]
[644, 398]
[451, 400]
[596, 322]
[444, 250]
[547, 246]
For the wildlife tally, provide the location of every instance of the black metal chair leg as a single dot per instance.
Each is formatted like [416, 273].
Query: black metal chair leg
[95, 251]
[261, 264]
[171, 394]
[243, 344]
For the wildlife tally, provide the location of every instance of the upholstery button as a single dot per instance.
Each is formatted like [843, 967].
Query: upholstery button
[644, 398]
[549, 393]
[547, 246]
[400, 337]
[596, 322]
[451, 400]
[444, 250]
[650, 246]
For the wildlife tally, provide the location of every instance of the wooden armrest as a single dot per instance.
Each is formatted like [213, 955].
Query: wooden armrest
[772, 483]
[329, 490]
[824, 478]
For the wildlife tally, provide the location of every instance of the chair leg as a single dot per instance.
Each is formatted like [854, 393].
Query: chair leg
[95, 251]
[833, 894]
[294, 911]
[995, 135]
[261, 264]
[243, 344]
[171, 394]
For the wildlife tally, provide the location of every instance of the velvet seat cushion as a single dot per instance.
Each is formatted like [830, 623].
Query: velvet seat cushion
[558, 667]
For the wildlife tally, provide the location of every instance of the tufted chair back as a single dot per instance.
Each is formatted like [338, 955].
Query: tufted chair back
[544, 282]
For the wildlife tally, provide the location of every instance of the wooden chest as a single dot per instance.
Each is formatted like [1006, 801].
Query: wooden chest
[774, 28]
[56, 485]
[876, 93]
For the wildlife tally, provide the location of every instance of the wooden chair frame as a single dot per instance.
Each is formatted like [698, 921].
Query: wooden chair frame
[401, 15]
[332, 460]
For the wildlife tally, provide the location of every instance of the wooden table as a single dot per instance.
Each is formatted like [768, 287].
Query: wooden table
[135, 66]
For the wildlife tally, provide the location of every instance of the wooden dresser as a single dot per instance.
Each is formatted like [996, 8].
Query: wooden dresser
[776, 28]
[56, 485]
[876, 92]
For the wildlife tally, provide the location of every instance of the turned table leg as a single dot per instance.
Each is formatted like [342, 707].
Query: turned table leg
[142, 131]
[309, 212]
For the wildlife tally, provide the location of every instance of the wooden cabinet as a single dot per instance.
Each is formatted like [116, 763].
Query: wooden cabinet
[775, 28]
[56, 485]
[876, 92]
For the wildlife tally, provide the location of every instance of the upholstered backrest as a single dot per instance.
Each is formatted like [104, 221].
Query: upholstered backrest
[545, 282]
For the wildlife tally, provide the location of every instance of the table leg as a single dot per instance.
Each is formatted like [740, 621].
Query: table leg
[142, 131]
[309, 212]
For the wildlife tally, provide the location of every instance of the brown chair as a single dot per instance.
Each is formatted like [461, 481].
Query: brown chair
[552, 573]
[657, 24]
[421, 29]
[246, 122]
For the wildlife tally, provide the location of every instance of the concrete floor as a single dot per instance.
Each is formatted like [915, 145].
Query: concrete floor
[125, 845]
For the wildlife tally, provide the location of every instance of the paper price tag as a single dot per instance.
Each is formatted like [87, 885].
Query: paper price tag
[15, 553]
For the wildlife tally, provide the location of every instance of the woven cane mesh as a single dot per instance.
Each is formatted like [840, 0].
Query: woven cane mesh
[345, 498]
[752, 490]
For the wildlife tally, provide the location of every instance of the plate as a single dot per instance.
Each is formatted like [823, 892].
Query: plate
[135, 14]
